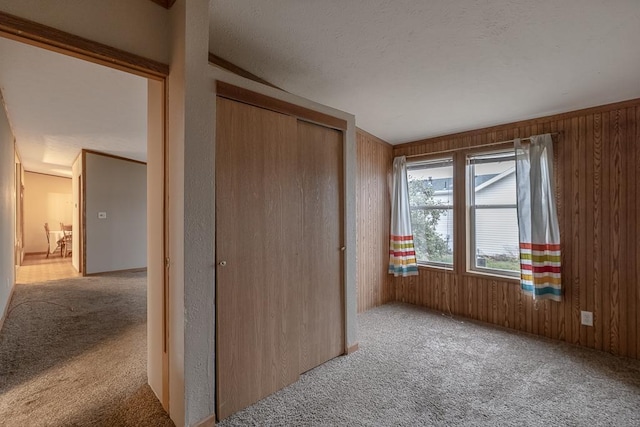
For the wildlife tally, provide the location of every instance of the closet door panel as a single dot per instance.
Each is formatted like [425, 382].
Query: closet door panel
[322, 295]
[258, 226]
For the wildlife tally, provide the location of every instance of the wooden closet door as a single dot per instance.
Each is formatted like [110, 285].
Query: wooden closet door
[258, 226]
[322, 295]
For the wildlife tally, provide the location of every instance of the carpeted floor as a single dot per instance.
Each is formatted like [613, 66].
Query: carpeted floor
[420, 368]
[73, 353]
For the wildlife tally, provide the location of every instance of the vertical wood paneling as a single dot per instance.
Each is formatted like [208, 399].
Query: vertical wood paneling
[597, 163]
[631, 233]
[375, 159]
[636, 278]
[614, 253]
[596, 248]
[605, 317]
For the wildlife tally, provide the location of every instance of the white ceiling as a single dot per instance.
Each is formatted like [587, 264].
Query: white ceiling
[58, 105]
[411, 69]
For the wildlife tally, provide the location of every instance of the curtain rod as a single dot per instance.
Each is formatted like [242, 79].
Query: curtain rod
[475, 146]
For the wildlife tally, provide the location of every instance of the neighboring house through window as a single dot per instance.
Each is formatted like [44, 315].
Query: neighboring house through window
[431, 203]
[493, 220]
[491, 212]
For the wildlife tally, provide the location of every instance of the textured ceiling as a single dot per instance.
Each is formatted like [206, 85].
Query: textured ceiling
[58, 105]
[411, 69]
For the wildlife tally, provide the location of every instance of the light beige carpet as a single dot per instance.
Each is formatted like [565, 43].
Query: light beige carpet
[73, 353]
[420, 368]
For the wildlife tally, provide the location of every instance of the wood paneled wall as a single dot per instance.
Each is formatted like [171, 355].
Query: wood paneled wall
[597, 160]
[375, 159]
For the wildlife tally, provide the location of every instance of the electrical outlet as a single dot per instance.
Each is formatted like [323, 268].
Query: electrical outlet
[586, 318]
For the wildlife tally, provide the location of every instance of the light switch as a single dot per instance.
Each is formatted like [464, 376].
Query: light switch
[102, 215]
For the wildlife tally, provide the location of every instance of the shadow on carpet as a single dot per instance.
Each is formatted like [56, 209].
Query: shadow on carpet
[73, 353]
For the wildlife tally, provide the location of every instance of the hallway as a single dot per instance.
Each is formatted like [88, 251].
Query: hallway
[73, 352]
[38, 268]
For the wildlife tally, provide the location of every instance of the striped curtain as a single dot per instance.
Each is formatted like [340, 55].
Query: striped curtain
[537, 219]
[402, 254]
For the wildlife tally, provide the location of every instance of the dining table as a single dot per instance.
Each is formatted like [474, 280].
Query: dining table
[54, 236]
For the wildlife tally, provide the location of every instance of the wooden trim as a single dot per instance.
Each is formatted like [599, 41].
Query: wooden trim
[165, 252]
[372, 137]
[34, 253]
[47, 174]
[490, 276]
[436, 269]
[167, 4]
[223, 63]
[210, 421]
[127, 270]
[6, 308]
[226, 90]
[83, 241]
[461, 231]
[523, 123]
[352, 349]
[36, 34]
[98, 153]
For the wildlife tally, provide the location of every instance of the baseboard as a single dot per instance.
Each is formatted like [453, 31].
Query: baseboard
[35, 253]
[210, 421]
[130, 270]
[352, 349]
[6, 308]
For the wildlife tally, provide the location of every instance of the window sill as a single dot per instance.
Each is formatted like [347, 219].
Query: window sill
[481, 275]
[436, 268]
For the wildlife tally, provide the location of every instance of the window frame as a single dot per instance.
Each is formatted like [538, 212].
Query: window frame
[471, 216]
[449, 161]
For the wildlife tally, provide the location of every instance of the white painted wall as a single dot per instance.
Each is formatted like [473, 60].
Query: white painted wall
[192, 222]
[47, 198]
[138, 26]
[7, 212]
[118, 188]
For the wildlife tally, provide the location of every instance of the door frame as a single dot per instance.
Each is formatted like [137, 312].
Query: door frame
[51, 39]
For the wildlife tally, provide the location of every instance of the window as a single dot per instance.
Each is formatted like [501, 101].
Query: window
[431, 204]
[493, 217]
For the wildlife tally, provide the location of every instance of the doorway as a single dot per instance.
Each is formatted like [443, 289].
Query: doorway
[153, 78]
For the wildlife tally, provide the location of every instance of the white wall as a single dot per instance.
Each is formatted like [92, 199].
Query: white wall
[7, 212]
[47, 198]
[139, 27]
[192, 294]
[118, 188]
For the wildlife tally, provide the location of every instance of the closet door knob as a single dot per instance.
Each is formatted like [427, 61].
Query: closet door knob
[343, 248]
[222, 263]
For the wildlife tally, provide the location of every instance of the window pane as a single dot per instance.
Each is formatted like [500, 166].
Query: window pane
[433, 235]
[494, 206]
[431, 201]
[496, 238]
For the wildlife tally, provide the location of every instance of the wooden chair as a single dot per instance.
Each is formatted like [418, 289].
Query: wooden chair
[59, 242]
[67, 231]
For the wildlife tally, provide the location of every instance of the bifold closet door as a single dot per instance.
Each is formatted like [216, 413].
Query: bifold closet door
[322, 296]
[258, 226]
